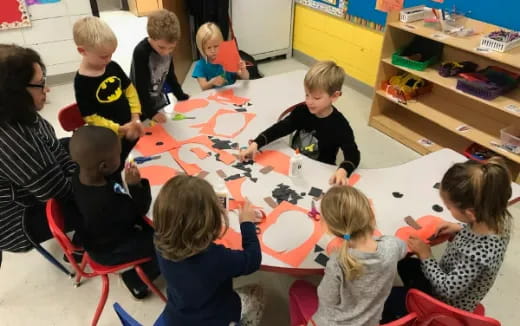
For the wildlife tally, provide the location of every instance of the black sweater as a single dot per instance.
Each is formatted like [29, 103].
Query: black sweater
[317, 138]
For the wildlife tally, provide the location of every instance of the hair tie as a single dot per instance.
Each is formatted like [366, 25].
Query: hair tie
[346, 237]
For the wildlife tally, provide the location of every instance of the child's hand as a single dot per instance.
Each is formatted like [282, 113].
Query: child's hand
[132, 175]
[242, 66]
[246, 213]
[249, 153]
[339, 178]
[129, 131]
[447, 229]
[160, 117]
[217, 81]
[419, 247]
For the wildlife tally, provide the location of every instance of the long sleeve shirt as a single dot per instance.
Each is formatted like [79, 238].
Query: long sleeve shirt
[467, 269]
[200, 288]
[148, 73]
[317, 138]
[34, 167]
[108, 100]
[109, 214]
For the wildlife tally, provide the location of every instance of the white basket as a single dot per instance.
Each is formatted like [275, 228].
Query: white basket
[498, 46]
[412, 14]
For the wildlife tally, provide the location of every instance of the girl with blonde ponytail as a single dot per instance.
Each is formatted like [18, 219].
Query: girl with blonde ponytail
[359, 276]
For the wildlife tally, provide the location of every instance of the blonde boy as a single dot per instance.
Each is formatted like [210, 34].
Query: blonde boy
[320, 129]
[152, 65]
[104, 93]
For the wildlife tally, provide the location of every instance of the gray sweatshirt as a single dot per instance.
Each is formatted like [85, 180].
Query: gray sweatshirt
[359, 302]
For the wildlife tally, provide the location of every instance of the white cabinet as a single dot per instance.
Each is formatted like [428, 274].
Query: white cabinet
[263, 28]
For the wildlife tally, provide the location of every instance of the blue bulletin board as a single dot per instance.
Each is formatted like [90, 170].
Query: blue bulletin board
[504, 13]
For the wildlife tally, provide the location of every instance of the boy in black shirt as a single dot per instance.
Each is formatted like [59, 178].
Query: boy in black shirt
[111, 223]
[104, 94]
[320, 129]
[152, 65]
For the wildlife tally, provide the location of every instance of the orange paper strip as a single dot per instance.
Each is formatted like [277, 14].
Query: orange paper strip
[189, 168]
[278, 160]
[157, 175]
[155, 141]
[295, 256]
[201, 154]
[227, 97]
[208, 128]
[228, 56]
[190, 105]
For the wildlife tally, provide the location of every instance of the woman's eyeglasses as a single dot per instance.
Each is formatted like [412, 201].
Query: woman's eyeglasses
[41, 85]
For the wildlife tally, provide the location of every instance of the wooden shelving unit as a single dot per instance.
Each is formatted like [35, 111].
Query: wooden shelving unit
[437, 115]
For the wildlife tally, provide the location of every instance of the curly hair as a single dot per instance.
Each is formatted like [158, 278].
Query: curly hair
[164, 25]
[16, 71]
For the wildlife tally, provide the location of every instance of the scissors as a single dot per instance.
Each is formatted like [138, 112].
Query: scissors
[179, 116]
[261, 213]
[313, 213]
[142, 159]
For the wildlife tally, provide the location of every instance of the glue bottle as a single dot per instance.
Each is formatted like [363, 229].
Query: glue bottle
[296, 165]
[222, 194]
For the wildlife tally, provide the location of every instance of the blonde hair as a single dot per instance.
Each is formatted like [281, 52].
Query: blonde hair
[163, 25]
[347, 211]
[188, 217]
[92, 32]
[484, 188]
[326, 76]
[206, 32]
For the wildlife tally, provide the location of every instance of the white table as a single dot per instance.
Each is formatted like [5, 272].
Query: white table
[396, 192]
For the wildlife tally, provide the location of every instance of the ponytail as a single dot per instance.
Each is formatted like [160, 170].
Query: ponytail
[351, 267]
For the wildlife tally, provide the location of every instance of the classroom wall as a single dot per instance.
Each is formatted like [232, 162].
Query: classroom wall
[322, 36]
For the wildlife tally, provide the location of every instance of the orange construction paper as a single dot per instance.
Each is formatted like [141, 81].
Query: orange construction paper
[429, 224]
[208, 128]
[190, 105]
[353, 179]
[157, 175]
[228, 97]
[155, 141]
[228, 56]
[201, 154]
[335, 243]
[296, 256]
[389, 5]
[235, 189]
[231, 239]
[278, 160]
[192, 168]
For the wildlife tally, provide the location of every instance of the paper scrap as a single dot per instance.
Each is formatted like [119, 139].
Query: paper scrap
[278, 160]
[513, 108]
[157, 175]
[440, 36]
[228, 56]
[425, 142]
[428, 224]
[270, 201]
[201, 154]
[413, 223]
[221, 174]
[202, 174]
[209, 127]
[228, 97]
[266, 169]
[155, 141]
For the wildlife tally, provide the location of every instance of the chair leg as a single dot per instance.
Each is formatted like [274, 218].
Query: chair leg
[82, 268]
[53, 260]
[102, 300]
[147, 281]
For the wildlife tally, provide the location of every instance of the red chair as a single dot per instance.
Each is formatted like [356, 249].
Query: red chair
[56, 224]
[70, 118]
[408, 320]
[288, 110]
[432, 312]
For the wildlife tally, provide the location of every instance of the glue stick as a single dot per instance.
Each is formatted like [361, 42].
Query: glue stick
[296, 165]
[222, 195]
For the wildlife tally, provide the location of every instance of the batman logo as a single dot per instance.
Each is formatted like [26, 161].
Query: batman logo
[109, 90]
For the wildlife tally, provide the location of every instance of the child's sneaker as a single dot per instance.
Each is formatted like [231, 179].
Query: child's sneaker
[135, 285]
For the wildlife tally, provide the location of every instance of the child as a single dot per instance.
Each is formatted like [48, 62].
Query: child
[321, 130]
[358, 279]
[111, 223]
[208, 74]
[104, 94]
[152, 64]
[476, 195]
[188, 218]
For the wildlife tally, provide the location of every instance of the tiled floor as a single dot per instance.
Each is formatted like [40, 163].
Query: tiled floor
[32, 292]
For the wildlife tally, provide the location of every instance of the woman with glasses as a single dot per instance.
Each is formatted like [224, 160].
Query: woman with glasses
[34, 166]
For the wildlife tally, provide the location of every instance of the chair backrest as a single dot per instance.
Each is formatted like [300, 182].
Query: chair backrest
[432, 312]
[70, 118]
[408, 320]
[288, 110]
[56, 221]
[126, 319]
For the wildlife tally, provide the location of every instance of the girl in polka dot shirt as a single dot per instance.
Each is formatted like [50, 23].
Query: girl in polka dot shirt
[476, 195]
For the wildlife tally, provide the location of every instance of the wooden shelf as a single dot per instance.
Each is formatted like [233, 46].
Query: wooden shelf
[431, 74]
[469, 44]
[451, 124]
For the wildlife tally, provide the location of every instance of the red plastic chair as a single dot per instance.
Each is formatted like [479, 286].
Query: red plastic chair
[288, 110]
[408, 320]
[70, 118]
[432, 312]
[56, 224]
